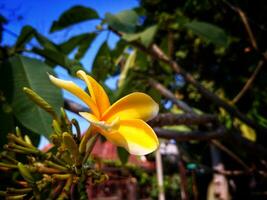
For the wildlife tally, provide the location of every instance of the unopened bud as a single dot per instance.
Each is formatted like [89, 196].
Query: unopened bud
[25, 173]
[27, 139]
[40, 101]
[56, 127]
[71, 145]
[18, 132]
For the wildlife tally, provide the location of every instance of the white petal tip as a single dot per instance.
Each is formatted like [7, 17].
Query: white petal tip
[80, 73]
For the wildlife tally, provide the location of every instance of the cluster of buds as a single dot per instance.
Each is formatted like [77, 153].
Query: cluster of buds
[60, 173]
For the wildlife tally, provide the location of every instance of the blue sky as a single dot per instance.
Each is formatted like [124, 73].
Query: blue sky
[41, 13]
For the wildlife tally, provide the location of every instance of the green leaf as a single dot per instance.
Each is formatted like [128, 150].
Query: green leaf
[119, 49]
[103, 64]
[123, 155]
[73, 16]
[130, 62]
[125, 21]
[77, 41]
[26, 34]
[84, 46]
[145, 37]
[248, 132]
[209, 32]
[57, 58]
[83, 43]
[45, 42]
[26, 72]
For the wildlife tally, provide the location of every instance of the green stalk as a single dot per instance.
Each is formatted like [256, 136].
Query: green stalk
[61, 176]
[9, 158]
[20, 141]
[56, 166]
[25, 149]
[18, 191]
[77, 127]
[85, 138]
[16, 197]
[66, 190]
[8, 165]
[89, 146]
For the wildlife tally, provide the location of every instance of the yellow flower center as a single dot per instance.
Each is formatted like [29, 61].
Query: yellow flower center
[109, 127]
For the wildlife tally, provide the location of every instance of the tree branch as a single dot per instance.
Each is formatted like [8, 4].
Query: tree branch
[182, 136]
[177, 119]
[205, 92]
[74, 107]
[158, 54]
[168, 94]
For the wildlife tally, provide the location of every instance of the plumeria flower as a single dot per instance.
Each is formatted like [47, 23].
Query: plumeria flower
[124, 122]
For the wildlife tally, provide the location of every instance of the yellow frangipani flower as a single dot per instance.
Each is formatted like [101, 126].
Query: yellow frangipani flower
[124, 122]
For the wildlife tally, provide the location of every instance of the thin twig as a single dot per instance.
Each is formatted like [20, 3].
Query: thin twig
[74, 107]
[245, 20]
[230, 153]
[247, 27]
[167, 93]
[190, 135]
[249, 82]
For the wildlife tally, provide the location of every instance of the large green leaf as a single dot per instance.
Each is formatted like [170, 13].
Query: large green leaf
[73, 16]
[103, 64]
[125, 21]
[209, 32]
[145, 37]
[26, 72]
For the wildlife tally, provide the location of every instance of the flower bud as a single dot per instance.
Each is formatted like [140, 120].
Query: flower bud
[40, 101]
[25, 173]
[71, 145]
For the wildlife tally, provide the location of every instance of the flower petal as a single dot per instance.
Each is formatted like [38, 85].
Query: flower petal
[77, 91]
[136, 136]
[136, 105]
[113, 126]
[89, 117]
[97, 92]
